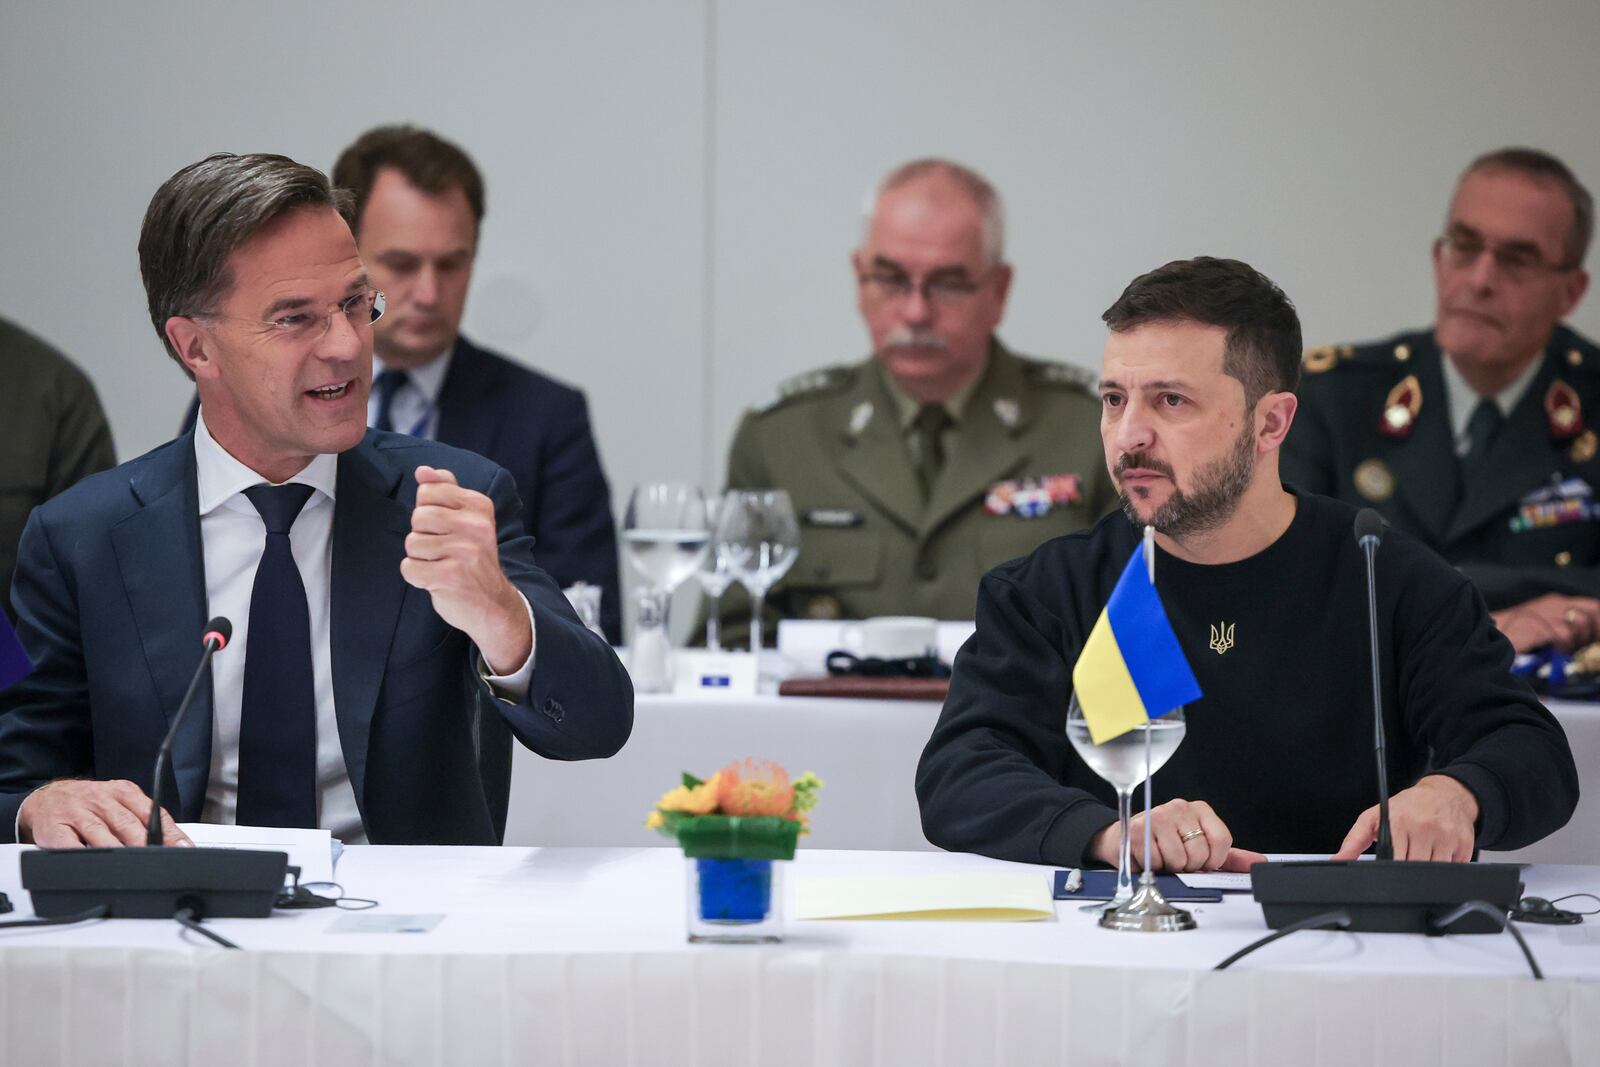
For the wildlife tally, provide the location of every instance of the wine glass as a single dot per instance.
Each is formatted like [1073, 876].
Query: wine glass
[715, 574]
[666, 533]
[758, 533]
[1121, 762]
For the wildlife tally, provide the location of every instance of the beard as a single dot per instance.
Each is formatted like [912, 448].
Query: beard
[1218, 488]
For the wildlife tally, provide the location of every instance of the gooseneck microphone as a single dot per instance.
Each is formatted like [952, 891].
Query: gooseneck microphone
[1369, 533]
[152, 881]
[1385, 895]
[219, 631]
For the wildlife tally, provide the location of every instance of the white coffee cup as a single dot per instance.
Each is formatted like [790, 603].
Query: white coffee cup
[891, 637]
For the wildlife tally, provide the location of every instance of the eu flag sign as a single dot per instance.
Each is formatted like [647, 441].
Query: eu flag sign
[1131, 669]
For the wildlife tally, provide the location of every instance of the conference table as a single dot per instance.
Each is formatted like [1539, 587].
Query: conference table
[865, 750]
[578, 956]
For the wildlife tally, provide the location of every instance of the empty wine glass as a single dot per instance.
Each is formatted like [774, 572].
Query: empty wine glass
[715, 574]
[1121, 762]
[666, 534]
[758, 533]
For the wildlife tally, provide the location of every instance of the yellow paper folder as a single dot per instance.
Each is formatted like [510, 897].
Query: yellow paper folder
[978, 896]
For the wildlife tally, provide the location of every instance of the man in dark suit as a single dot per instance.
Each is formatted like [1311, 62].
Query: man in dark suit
[382, 589]
[419, 203]
[1479, 435]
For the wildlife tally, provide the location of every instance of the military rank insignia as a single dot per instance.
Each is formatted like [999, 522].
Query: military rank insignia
[1032, 498]
[1401, 408]
[1564, 411]
[1557, 504]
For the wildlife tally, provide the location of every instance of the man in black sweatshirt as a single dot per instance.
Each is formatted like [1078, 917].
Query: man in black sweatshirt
[1197, 387]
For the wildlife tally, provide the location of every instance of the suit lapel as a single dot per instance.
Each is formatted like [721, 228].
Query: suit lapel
[1429, 494]
[467, 417]
[1506, 471]
[983, 450]
[369, 531]
[873, 457]
[163, 575]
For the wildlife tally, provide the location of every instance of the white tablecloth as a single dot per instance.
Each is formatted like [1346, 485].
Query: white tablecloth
[577, 957]
[866, 750]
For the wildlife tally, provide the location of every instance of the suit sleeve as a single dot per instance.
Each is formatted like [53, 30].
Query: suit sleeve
[44, 719]
[574, 532]
[1505, 585]
[1306, 461]
[990, 778]
[579, 704]
[1485, 727]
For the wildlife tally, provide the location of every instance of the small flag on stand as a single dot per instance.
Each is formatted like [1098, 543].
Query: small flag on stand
[1131, 669]
[14, 662]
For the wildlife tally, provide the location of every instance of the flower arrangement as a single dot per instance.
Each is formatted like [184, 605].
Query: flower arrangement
[750, 809]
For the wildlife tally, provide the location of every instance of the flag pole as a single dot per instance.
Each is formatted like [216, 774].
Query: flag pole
[1150, 566]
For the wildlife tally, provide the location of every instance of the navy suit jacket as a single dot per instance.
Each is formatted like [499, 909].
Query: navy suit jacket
[110, 597]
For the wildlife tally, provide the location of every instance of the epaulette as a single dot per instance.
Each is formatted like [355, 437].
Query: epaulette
[1327, 357]
[1072, 376]
[812, 383]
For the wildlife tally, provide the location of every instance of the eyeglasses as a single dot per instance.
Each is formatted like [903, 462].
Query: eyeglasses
[946, 291]
[361, 309]
[1516, 262]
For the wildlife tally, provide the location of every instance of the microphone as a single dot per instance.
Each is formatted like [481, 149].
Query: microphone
[218, 632]
[1369, 533]
[152, 881]
[1384, 895]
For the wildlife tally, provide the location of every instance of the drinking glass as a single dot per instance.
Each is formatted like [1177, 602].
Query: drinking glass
[758, 533]
[1121, 762]
[714, 575]
[666, 533]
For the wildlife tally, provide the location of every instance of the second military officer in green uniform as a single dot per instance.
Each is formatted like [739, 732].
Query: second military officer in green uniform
[914, 472]
[1479, 436]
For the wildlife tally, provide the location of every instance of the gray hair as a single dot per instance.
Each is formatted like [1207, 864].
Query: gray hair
[1533, 163]
[973, 183]
[204, 213]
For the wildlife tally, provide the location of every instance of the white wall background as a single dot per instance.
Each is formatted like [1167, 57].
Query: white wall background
[674, 186]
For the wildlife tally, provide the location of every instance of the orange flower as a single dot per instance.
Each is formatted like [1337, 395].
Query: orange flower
[754, 787]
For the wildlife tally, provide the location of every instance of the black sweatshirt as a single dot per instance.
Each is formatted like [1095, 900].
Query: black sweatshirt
[1281, 742]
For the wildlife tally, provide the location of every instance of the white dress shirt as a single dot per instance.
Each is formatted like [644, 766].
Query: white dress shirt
[415, 407]
[233, 537]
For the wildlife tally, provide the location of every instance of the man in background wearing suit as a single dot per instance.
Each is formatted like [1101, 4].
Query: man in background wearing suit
[1479, 436]
[381, 587]
[419, 203]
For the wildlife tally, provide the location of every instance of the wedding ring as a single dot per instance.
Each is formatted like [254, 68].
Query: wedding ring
[1190, 835]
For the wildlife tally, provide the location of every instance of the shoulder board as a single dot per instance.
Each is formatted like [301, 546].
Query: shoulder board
[1393, 353]
[1064, 374]
[814, 383]
[1577, 354]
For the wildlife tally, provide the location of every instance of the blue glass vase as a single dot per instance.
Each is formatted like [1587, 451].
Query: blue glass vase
[735, 900]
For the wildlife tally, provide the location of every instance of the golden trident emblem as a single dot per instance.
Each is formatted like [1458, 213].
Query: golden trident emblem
[1222, 638]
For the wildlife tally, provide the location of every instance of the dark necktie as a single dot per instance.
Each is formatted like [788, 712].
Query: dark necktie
[1481, 430]
[387, 384]
[929, 425]
[278, 720]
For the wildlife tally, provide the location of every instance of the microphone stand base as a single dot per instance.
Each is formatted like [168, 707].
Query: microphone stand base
[1147, 911]
[154, 882]
[1385, 896]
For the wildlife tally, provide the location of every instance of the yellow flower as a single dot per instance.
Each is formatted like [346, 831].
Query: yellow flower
[699, 800]
[654, 821]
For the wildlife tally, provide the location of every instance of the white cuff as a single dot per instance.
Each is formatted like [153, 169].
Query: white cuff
[511, 688]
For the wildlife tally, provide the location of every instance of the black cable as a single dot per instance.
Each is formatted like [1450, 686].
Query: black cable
[1483, 907]
[99, 911]
[1571, 896]
[1328, 920]
[186, 918]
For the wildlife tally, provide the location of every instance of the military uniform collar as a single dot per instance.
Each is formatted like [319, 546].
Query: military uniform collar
[906, 407]
[1462, 398]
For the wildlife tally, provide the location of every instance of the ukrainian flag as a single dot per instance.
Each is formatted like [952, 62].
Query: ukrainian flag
[1131, 669]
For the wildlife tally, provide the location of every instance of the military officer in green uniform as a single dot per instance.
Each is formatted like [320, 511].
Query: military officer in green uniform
[55, 434]
[1479, 436]
[914, 472]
